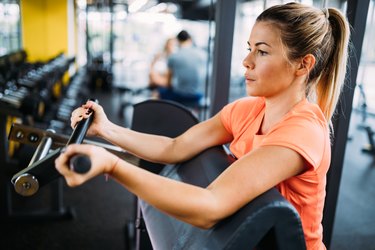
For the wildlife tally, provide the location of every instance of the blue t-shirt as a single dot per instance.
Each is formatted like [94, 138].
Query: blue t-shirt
[188, 66]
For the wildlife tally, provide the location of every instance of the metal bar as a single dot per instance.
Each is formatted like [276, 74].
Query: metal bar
[25, 134]
[42, 149]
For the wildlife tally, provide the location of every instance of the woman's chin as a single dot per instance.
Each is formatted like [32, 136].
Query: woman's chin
[250, 92]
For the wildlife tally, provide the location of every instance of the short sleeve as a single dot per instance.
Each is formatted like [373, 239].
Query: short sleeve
[225, 116]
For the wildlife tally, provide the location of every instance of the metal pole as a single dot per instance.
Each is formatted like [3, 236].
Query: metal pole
[222, 57]
[357, 15]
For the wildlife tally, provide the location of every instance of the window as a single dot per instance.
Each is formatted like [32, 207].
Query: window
[10, 37]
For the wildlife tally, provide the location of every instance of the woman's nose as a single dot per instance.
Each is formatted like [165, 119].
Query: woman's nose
[248, 62]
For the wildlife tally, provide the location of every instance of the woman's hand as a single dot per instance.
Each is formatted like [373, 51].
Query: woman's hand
[99, 122]
[102, 162]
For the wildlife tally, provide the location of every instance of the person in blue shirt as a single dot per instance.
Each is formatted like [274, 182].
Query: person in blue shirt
[184, 79]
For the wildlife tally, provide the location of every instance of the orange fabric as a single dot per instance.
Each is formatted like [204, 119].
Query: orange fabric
[303, 129]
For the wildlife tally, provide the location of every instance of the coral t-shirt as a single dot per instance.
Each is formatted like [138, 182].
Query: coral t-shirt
[303, 129]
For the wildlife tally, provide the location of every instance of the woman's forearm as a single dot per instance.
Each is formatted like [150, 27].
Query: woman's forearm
[150, 147]
[162, 149]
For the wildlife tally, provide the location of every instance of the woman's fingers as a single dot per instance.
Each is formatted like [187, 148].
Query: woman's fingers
[74, 120]
[79, 114]
[68, 152]
[62, 163]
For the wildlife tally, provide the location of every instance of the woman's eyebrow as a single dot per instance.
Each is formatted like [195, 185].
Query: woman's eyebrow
[259, 43]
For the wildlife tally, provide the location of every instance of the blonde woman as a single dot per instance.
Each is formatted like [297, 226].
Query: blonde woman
[280, 134]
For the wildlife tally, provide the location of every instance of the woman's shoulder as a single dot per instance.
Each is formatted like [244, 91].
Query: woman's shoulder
[309, 111]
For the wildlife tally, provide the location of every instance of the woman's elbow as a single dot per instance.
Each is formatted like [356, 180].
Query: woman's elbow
[210, 213]
[208, 220]
[205, 223]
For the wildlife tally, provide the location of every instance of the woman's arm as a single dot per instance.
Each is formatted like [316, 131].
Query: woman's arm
[163, 149]
[160, 79]
[244, 180]
[155, 148]
[241, 182]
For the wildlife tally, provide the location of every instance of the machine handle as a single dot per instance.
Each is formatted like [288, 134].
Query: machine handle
[80, 130]
[81, 163]
[42, 170]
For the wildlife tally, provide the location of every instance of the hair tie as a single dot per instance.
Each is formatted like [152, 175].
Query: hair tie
[326, 12]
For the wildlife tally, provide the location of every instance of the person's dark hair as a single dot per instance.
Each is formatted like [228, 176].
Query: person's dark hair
[183, 35]
[323, 33]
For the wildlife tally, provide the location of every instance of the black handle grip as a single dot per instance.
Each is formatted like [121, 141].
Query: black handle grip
[80, 164]
[80, 130]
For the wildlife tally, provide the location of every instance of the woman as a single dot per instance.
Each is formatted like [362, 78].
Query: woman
[158, 68]
[280, 134]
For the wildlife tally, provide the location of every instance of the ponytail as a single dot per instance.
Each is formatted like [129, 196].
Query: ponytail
[332, 76]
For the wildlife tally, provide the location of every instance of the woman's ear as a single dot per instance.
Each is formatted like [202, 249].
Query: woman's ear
[306, 65]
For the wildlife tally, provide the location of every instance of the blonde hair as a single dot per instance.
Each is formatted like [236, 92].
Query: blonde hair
[323, 33]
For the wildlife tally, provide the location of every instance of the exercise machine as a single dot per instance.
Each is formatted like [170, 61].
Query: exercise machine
[41, 169]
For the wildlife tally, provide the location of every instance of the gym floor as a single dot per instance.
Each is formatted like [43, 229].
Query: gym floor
[102, 209]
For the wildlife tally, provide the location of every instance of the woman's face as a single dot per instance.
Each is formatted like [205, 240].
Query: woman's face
[268, 72]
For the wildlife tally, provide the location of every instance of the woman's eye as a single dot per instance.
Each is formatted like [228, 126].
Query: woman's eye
[262, 53]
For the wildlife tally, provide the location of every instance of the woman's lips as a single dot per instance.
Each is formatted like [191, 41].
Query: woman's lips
[249, 79]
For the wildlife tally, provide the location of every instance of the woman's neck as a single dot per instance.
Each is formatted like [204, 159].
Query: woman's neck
[276, 108]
